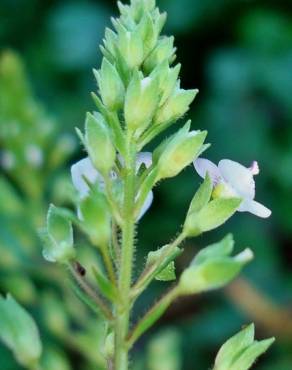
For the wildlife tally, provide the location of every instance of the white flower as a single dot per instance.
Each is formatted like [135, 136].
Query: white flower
[233, 179]
[85, 169]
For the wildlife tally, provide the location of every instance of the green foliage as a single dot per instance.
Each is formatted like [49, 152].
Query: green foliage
[241, 351]
[19, 332]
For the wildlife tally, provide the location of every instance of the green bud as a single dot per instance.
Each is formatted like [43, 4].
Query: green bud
[131, 47]
[148, 33]
[111, 86]
[95, 217]
[98, 143]
[58, 237]
[175, 106]
[164, 50]
[179, 152]
[110, 43]
[211, 216]
[19, 332]
[240, 351]
[167, 78]
[140, 103]
[213, 267]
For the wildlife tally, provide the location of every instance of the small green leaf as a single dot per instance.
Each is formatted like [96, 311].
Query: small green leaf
[162, 261]
[19, 332]
[105, 286]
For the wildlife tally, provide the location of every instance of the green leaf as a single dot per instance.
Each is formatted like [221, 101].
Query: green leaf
[19, 332]
[105, 286]
[162, 261]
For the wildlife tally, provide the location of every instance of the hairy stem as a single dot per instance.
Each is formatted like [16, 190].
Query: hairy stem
[122, 314]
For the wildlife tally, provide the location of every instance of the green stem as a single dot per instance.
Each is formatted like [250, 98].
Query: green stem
[147, 275]
[125, 274]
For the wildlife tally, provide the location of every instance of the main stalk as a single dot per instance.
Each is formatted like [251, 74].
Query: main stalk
[123, 308]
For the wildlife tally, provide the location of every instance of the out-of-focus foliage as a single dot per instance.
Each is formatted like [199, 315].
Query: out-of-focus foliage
[34, 151]
[239, 53]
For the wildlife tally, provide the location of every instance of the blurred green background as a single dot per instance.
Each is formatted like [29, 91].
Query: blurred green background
[239, 54]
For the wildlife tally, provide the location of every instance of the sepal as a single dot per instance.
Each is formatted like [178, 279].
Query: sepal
[58, 237]
[213, 267]
[241, 350]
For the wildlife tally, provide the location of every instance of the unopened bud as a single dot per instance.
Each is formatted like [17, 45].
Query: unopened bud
[111, 87]
[175, 106]
[95, 217]
[141, 102]
[98, 143]
[179, 152]
[164, 50]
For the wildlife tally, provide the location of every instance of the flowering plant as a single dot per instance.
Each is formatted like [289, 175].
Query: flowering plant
[139, 97]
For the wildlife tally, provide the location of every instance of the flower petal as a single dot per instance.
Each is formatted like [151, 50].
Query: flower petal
[144, 158]
[255, 208]
[146, 205]
[239, 177]
[81, 169]
[203, 166]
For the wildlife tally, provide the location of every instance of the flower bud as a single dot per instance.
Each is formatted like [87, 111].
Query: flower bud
[95, 217]
[111, 86]
[164, 50]
[213, 267]
[167, 79]
[179, 152]
[131, 47]
[19, 332]
[141, 102]
[58, 237]
[241, 350]
[98, 143]
[148, 33]
[175, 106]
